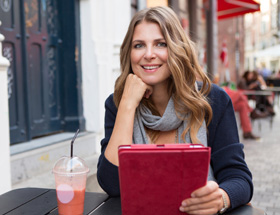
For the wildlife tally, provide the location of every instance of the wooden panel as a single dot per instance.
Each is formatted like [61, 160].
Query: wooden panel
[52, 64]
[12, 50]
[35, 73]
[34, 201]
[44, 82]
[42, 204]
[18, 197]
[42, 38]
[112, 206]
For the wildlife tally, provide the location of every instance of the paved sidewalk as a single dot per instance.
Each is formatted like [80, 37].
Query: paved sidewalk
[263, 159]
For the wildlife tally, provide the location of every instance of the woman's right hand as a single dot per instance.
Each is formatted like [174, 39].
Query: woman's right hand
[135, 89]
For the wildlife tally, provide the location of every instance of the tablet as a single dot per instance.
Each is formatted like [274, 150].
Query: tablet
[155, 179]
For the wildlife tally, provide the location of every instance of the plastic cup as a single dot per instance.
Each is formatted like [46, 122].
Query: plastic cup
[70, 180]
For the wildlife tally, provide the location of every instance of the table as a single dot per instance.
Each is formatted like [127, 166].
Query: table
[257, 92]
[273, 89]
[40, 201]
[253, 94]
[276, 90]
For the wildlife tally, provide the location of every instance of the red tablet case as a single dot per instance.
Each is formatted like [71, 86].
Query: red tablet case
[154, 179]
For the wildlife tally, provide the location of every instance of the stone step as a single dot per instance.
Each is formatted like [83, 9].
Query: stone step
[33, 168]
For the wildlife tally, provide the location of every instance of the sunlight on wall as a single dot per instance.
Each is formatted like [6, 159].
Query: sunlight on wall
[153, 3]
[264, 6]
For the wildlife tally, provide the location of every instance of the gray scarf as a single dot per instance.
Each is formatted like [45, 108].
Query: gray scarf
[169, 121]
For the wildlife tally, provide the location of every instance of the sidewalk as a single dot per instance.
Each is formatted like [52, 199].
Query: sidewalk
[263, 159]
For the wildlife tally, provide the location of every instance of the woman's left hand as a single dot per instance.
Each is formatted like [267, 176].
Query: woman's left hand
[205, 200]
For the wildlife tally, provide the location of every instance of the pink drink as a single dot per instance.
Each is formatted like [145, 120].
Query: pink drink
[70, 179]
[70, 202]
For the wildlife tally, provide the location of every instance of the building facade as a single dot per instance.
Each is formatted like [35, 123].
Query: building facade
[231, 49]
[262, 38]
[64, 59]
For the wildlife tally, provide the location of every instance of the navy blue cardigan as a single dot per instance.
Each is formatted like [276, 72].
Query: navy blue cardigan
[227, 156]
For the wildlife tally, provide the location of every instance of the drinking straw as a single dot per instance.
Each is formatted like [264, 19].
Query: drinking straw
[72, 142]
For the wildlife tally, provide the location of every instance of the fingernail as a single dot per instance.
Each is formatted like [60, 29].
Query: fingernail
[181, 209]
[192, 195]
[184, 204]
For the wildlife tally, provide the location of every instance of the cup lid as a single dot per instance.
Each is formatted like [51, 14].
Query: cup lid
[68, 165]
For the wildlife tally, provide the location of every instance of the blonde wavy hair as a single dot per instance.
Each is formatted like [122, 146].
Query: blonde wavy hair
[184, 67]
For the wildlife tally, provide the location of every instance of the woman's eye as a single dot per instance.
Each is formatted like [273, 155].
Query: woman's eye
[137, 46]
[162, 44]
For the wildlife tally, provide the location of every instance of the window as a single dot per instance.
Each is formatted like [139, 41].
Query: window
[273, 14]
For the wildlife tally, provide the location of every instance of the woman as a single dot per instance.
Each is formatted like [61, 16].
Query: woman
[251, 81]
[241, 105]
[159, 69]
[254, 81]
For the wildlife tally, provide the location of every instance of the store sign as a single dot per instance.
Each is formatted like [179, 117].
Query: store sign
[6, 5]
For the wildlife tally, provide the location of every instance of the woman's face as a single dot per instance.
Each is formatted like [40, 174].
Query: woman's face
[250, 76]
[149, 54]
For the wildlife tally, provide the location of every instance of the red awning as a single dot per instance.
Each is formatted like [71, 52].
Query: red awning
[230, 8]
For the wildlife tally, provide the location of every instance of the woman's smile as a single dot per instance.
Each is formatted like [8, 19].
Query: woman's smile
[151, 68]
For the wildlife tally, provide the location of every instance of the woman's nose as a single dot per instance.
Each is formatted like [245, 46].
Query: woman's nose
[149, 54]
